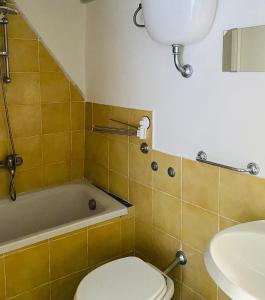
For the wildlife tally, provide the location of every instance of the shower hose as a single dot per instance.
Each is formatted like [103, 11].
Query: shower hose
[11, 160]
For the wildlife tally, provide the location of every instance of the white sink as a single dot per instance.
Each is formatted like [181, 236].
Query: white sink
[235, 259]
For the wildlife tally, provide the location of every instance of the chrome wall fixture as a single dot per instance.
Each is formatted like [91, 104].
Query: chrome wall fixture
[185, 70]
[12, 160]
[252, 168]
[144, 148]
[138, 131]
[5, 10]
[180, 260]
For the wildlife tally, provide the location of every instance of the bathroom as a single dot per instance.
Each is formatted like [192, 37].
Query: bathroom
[125, 161]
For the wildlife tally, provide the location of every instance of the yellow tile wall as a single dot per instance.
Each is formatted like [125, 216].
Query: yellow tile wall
[52, 130]
[185, 211]
[52, 269]
[47, 115]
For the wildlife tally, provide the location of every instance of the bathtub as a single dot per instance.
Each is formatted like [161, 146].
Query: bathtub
[41, 215]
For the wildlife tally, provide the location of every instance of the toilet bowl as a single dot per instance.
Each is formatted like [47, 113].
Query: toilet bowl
[127, 278]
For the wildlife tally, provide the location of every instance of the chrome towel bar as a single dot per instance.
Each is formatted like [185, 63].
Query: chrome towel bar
[114, 130]
[252, 168]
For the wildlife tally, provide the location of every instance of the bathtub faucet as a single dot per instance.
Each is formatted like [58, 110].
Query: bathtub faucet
[12, 161]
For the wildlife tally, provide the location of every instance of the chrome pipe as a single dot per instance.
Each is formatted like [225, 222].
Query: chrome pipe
[113, 130]
[185, 70]
[252, 168]
[180, 260]
[5, 52]
[8, 10]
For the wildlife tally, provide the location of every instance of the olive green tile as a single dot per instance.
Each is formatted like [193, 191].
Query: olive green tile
[128, 235]
[24, 88]
[68, 254]
[104, 243]
[161, 180]
[40, 293]
[65, 288]
[56, 173]
[167, 213]
[119, 185]
[47, 62]
[77, 169]
[25, 120]
[27, 269]
[140, 165]
[200, 184]
[242, 197]
[2, 279]
[196, 276]
[30, 148]
[29, 180]
[78, 115]
[54, 87]
[19, 28]
[198, 226]
[55, 117]
[56, 147]
[23, 55]
[141, 197]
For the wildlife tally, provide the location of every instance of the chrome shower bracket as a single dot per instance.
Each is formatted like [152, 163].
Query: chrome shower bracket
[185, 70]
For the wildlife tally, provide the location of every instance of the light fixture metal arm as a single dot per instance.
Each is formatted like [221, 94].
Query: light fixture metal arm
[185, 70]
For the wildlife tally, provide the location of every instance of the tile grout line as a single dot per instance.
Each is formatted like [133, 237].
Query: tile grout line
[70, 129]
[50, 276]
[181, 218]
[219, 191]
[5, 277]
[42, 146]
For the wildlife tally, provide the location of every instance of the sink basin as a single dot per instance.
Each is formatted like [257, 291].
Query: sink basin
[235, 259]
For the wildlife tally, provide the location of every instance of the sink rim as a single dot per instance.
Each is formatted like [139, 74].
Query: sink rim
[233, 290]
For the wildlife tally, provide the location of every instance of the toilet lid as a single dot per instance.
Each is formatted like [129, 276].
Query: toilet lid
[128, 278]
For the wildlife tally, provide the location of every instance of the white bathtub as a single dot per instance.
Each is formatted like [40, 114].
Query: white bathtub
[38, 216]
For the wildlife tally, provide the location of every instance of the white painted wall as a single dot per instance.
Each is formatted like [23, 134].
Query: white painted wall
[62, 27]
[221, 113]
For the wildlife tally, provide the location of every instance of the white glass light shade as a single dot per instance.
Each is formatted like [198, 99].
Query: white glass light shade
[178, 21]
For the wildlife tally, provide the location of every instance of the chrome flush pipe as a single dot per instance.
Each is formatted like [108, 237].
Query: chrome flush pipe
[180, 260]
[185, 70]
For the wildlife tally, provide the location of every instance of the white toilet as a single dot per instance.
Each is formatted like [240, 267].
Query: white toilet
[128, 278]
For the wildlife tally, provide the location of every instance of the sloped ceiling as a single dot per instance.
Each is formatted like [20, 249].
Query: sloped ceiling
[62, 27]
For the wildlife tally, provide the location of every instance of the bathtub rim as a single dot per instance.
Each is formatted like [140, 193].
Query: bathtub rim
[57, 231]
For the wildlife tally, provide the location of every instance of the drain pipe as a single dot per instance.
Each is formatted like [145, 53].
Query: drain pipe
[180, 260]
[185, 70]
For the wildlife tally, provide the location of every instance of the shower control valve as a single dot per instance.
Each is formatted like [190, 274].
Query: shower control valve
[12, 161]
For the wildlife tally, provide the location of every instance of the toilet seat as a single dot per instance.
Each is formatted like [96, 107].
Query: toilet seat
[128, 278]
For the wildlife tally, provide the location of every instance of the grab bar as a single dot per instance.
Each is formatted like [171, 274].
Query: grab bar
[252, 168]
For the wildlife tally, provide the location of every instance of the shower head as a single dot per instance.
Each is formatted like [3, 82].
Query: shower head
[8, 10]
